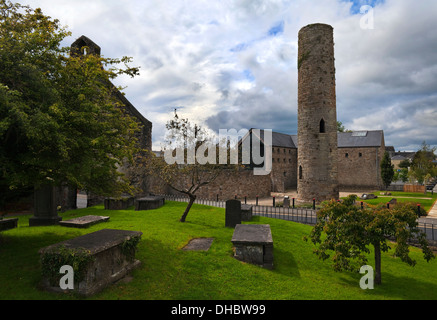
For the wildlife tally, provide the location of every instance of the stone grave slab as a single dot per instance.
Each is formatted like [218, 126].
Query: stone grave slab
[232, 213]
[118, 203]
[83, 222]
[7, 224]
[149, 203]
[246, 212]
[110, 256]
[253, 243]
[393, 201]
[198, 244]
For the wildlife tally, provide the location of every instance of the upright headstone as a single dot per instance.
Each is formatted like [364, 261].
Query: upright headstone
[45, 207]
[286, 203]
[246, 212]
[233, 213]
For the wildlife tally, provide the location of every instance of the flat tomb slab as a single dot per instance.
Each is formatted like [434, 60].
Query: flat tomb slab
[253, 243]
[118, 203]
[106, 256]
[199, 244]
[83, 222]
[7, 224]
[252, 234]
[149, 203]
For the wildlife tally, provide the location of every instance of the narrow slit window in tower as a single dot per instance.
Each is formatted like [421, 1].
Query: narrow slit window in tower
[300, 172]
[322, 126]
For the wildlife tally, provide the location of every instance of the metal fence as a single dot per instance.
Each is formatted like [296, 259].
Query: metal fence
[301, 215]
[429, 229]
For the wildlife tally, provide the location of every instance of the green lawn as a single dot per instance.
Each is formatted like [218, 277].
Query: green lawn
[425, 201]
[167, 272]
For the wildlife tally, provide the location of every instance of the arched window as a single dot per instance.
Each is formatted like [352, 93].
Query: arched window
[322, 126]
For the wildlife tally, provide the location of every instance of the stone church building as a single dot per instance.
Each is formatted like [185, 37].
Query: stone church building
[318, 161]
[359, 156]
[83, 45]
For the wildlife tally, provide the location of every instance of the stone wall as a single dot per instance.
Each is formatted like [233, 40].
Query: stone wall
[284, 169]
[359, 168]
[228, 184]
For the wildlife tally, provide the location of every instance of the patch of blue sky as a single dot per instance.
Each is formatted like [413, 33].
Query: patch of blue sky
[248, 75]
[239, 47]
[357, 4]
[276, 29]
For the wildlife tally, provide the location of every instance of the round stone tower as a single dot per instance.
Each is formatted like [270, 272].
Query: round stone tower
[317, 115]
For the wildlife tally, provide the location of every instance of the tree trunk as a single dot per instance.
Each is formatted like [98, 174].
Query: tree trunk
[187, 209]
[377, 262]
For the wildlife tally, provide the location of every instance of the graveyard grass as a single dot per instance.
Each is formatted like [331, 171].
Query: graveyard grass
[168, 273]
[426, 201]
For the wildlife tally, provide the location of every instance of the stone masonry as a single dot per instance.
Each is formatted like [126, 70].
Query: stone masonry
[317, 118]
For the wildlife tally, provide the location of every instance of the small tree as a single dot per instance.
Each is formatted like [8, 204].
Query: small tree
[350, 231]
[422, 163]
[387, 170]
[60, 121]
[185, 167]
[405, 164]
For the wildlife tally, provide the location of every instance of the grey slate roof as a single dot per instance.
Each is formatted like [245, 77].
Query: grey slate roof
[278, 139]
[282, 140]
[398, 157]
[345, 139]
[352, 140]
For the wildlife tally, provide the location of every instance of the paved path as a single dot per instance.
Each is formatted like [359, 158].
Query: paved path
[433, 212]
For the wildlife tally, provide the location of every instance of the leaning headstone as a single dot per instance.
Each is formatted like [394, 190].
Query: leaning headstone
[233, 213]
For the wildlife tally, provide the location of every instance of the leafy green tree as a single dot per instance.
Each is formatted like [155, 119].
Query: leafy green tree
[59, 119]
[340, 127]
[387, 170]
[405, 164]
[403, 175]
[347, 231]
[422, 163]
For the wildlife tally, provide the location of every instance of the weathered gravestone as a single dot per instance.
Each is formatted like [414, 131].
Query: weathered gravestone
[246, 212]
[253, 243]
[99, 259]
[149, 203]
[367, 196]
[6, 224]
[45, 207]
[393, 201]
[286, 203]
[233, 213]
[83, 222]
[199, 244]
[118, 203]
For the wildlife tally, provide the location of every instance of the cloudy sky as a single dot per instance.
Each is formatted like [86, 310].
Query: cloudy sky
[233, 64]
